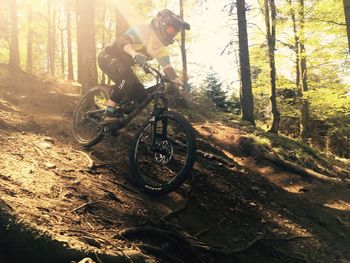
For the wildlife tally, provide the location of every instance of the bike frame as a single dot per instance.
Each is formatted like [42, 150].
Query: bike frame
[157, 96]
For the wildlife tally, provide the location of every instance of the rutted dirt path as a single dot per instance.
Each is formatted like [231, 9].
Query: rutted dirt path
[240, 209]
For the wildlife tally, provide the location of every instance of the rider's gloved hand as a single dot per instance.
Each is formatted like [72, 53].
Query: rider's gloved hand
[140, 59]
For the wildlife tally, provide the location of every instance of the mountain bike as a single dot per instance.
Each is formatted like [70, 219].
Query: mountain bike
[163, 151]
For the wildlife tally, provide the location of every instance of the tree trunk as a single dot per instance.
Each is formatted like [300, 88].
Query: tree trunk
[29, 64]
[270, 14]
[62, 52]
[49, 36]
[246, 94]
[347, 18]
[53, 42]
[62, 28]
[296, 47]
[103, 78]
[69, 41]
[183, 49]
[14, 58]
[305, 120]
[121, 23]
[87, 70]
[304, 112]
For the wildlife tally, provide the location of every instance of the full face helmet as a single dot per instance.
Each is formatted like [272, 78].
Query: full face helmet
[166, 25]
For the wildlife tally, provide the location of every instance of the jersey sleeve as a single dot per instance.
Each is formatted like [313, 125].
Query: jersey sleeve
[163, 57]
[138, 34]
[132, 36]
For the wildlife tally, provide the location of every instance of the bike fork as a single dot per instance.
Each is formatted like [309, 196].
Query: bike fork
[154, 130]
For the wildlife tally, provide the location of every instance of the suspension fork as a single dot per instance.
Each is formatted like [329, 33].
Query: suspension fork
[157, 111]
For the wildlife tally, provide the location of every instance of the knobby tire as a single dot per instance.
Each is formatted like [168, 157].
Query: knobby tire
[180, 144]
[89, 97]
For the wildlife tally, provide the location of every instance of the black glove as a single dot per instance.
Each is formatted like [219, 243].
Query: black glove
[140, 59]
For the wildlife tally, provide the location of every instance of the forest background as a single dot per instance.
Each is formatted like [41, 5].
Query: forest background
[296, 71]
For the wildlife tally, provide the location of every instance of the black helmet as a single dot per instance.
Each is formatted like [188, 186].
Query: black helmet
[166, 25]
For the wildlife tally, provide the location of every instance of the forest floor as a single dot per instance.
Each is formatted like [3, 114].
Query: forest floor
[60, 202]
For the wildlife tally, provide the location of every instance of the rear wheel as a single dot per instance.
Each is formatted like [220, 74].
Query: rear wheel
[87, 116]
[163, 153]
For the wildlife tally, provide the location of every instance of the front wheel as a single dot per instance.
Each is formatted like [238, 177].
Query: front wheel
[163, 153]
[87, 116]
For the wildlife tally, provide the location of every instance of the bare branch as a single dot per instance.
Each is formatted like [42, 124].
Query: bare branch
[328, 21]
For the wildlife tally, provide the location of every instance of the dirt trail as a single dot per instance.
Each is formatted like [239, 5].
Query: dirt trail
[240, 209]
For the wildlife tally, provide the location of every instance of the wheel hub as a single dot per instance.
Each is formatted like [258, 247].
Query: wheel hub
[164, 152]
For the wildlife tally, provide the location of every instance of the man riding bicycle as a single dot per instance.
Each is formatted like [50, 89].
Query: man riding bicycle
[137, 45]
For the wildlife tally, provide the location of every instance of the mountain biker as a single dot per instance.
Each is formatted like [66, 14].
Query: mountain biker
[139, 43]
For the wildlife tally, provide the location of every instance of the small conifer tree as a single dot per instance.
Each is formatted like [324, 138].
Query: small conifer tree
[213, 90]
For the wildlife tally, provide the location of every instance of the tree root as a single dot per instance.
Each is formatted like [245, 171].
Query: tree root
[301, 170]
[209, 228]
[174, 240]
[225, 251]
[289, 238]
[86, 204]
[226, 161]
[159, 253]
[184, 242]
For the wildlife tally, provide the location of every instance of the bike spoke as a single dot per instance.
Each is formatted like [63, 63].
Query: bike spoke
[165, 162]
[88, 116]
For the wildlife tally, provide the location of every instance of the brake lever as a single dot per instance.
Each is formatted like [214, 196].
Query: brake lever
[146, 69]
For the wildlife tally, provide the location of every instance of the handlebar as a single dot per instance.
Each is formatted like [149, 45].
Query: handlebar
[156, 73]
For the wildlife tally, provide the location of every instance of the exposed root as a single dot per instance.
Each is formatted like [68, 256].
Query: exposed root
[222, 160]
[180, 240]
[175, 240]
[159, 253]
[289, 238]
[84, 205]
[209, 228]
[303, 171]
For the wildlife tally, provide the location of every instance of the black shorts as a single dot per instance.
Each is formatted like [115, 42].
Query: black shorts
[126, 82]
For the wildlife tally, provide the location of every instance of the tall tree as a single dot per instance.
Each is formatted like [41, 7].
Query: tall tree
[121, 23]
[183, 48]
[51, 36]
[246, 94]
[14, 58]
[107, 32]
[296, 45]
[62, 29]
[304, 118]
[29, 66]
[69, 41]
[270, 23]
[298, 23]
[104, 11]
[87, 70]
[346, 4]
[302, 50]
[53, 41]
